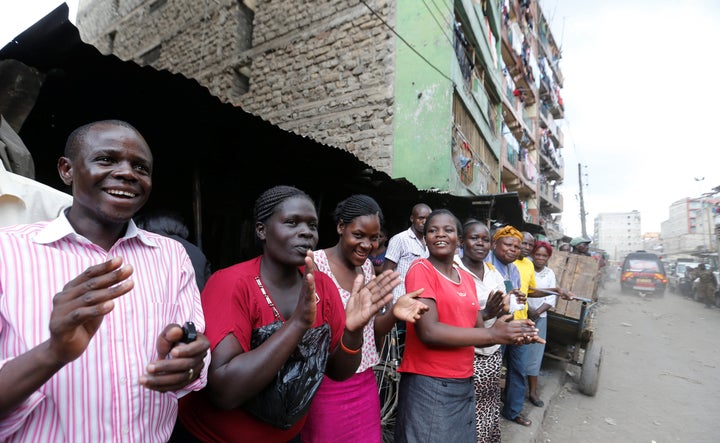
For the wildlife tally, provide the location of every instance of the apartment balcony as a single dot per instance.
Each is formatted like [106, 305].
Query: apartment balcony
[553, 230]
[553, 57]
[514, 182]
[516, 67]
[530, 124]
[513, 13]
[520, 133]
[515, 174]
[515, 115]
[519, 129]
[551, 201]
[558, 137]
[552, 166]
[510, 96]
[555, 66]
[545, 119]
[557, 109]
[545, 89]
[550, 223]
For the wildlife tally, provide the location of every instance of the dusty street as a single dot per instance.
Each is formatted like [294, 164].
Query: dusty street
[660, 375]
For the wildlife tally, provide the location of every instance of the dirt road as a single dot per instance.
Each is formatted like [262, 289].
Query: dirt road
[660, 375]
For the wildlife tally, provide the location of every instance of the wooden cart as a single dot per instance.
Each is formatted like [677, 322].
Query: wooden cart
[571, 323]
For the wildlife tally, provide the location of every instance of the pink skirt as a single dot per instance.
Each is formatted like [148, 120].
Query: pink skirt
[346, 411]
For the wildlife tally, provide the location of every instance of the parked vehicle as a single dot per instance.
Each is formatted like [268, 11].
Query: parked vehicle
[695, 294]
[710, 259]
[679, 280]
[643, 272]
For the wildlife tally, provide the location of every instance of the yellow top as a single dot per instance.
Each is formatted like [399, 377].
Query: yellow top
[527, 280]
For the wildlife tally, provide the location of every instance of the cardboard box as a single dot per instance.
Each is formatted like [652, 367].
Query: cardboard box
[578, 274]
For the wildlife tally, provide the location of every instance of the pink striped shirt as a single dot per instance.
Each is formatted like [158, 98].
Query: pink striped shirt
[97, 397]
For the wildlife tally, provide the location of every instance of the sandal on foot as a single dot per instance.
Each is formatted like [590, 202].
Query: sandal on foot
[522, 420]
[537, 402]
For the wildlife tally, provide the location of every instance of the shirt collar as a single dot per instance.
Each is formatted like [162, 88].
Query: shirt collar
[500, 266]
[524, 259]
[414, 236]
[8, 186]
[61, 228]
[411, 231]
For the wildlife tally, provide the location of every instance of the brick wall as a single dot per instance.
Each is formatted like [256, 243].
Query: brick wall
[320, 68]
[325, 68]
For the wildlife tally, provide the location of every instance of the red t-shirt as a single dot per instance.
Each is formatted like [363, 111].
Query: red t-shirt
[233, 304]
[457, 305]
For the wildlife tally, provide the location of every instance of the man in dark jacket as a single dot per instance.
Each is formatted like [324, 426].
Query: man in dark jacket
[171, 225]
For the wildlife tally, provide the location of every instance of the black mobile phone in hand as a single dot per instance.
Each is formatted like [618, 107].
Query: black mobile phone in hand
[189, 332]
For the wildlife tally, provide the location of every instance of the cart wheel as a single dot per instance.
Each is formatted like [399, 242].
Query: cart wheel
[591, 368]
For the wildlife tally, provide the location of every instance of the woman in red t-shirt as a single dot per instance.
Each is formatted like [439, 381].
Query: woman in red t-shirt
[436, 388]
[281, 284]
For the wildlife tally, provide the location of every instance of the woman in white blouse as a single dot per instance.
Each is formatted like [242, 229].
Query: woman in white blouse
[488, 361]
[537, 312]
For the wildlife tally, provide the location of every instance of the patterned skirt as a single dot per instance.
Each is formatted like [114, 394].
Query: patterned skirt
[487, 396]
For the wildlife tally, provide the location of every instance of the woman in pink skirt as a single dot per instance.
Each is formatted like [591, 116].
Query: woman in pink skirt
[349, 411]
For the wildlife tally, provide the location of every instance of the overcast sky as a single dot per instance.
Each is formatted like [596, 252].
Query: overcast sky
[18, 15]
[640, 104]
[640, 100]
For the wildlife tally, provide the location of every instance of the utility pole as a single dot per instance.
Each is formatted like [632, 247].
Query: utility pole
[582, 203]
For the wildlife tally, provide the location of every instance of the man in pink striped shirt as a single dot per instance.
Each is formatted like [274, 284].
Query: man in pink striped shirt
[90, 306]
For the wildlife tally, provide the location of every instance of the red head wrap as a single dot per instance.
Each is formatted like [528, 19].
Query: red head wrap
[542, 244]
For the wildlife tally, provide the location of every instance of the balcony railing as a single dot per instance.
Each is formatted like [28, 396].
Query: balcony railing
[528, 121]
[558, 136]
[550, 195]
[517, 57]
[461, 47]
[512, 156]
[553, 170]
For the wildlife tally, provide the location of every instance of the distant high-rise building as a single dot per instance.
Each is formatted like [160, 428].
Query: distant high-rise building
[652, 242]
[690, 227]
[618, 233]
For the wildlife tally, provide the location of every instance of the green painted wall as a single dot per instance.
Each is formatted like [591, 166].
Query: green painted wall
[423, 97]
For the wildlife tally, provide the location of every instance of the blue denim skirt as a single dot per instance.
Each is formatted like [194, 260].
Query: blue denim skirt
[534, 355]
[434, 409]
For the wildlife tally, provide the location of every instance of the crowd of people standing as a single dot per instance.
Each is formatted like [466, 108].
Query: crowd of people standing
[116, 342]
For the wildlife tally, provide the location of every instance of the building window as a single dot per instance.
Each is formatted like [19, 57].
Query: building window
[111, 41]
[241, 82]
[152, 55]
[157, 4]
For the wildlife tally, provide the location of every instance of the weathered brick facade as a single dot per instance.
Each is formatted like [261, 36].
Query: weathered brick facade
[320, 68]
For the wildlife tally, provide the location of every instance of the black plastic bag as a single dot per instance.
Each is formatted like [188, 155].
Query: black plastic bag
[287, 398]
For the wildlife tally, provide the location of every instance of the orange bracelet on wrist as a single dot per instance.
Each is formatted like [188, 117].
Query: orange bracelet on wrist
[347, 350]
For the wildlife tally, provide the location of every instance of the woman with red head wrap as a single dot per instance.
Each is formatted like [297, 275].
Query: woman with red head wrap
[537, 307]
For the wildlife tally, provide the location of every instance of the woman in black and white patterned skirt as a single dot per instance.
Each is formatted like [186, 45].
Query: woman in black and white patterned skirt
[488, 361]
